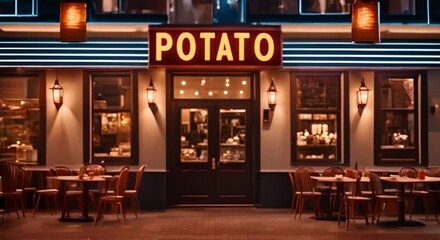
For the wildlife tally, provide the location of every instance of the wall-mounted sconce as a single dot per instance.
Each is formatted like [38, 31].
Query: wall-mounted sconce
[57, 94]
[362, 96]
[365, 21]
[434, 108]
[151, 96]
[272, 102]
[73, 20]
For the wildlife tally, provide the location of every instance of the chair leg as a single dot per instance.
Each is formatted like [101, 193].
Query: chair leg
[298, 204]
[134, 204]
[302, 207]
[121, 206]
[365, 209]
[98, 212]
[36, 205]
[341, 206]
[381, 204]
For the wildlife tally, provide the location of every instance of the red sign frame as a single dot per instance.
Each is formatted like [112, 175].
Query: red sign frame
[215, 46]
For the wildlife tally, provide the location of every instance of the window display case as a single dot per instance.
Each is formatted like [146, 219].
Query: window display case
[112, 118]
[317, 119]
[396, 119]
[21, 138]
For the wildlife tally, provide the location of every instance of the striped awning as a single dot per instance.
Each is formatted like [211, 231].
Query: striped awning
[296, 54]
[133, 54]
[352, 55]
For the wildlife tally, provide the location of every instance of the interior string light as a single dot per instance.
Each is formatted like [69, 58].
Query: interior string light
[243, 82]
[183, 83]
[210, 93]
[225, 92]
[182, 92]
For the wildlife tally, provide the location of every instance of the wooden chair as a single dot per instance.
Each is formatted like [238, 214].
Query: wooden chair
[12, 178]
[70, 190]
[331, 172]
[100, 188]
[117, 199]
[51, 192]
[379, 196]
[353, 198]
[133, 194]
[294, 192]
[415, 192]
[305, 186]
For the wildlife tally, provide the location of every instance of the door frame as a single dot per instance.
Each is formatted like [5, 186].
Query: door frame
[171, 130]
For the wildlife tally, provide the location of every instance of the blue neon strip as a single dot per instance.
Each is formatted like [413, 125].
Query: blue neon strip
[347, 54]
[74, 54]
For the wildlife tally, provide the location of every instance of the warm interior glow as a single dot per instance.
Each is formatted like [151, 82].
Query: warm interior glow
[272, 96]
[365, 21]
[362, 95]
[151, 93]
[73, 21]
[57, 94]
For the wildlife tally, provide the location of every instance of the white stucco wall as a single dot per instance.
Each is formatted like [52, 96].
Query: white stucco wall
[275, 136]
[152, 127]
[64, 129]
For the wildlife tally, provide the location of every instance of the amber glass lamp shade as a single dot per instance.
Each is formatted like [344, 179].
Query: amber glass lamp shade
[272, 96]
[362, 95]
[73, 20]
[365, 21]
[57, 94]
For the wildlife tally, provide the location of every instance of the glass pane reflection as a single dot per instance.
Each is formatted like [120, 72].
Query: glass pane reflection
[194, 135]
[232, 135]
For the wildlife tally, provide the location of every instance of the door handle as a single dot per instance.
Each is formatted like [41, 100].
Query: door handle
[213, 163]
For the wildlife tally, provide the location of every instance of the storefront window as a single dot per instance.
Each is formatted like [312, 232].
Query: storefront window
[317, 119]
[21, 123]
[113, 138]
[330, 11]
[18, 8]
[396, 119]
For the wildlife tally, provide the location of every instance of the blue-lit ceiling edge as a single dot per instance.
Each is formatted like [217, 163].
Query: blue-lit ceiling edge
[296, 54]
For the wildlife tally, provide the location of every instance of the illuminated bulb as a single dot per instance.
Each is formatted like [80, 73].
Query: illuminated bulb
[243, 82]
[227, 80]
[183, 83]
[225, 92]
[227, 84]
[241, 92]
[196, 93]
[203, 82]
[210, 93]
[182, 92]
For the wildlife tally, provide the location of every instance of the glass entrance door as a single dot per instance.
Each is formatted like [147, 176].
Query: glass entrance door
[211, 138]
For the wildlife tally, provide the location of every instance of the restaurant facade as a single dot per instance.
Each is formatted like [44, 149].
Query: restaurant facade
[220, 99]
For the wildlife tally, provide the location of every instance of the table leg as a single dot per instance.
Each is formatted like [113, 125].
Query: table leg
[85, 211]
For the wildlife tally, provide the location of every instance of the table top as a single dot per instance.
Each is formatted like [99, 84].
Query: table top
[99, 178]
[398, 179]
[334, 179]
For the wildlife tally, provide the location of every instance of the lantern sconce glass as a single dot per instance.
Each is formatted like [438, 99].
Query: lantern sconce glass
[362, 96]
[151, 96]
[272, 102]
[434, 108]
[57, 94]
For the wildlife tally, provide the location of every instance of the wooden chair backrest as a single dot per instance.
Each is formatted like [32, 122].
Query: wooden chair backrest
[302, 179]
[121, 183]
[375, 184]
[408, 172]
[139, 174]
[13, 176]
[61, 171]
[95, 168]
[332, 171]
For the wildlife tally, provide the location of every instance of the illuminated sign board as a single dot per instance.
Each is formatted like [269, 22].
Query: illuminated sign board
[171, 46]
